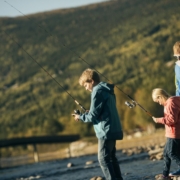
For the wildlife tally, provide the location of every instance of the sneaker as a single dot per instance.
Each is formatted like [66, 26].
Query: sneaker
[162, 177]
[175, 173]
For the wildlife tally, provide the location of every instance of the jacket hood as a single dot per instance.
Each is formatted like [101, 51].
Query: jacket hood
[104, 86]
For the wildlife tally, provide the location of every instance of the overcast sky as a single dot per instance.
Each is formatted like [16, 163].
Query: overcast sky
[34, 6]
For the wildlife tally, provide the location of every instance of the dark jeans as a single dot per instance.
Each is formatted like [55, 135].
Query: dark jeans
[107, 159]
[171, 153]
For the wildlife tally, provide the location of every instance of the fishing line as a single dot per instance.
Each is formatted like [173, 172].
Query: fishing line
[21, 47]
[130, 105]
[59, 41]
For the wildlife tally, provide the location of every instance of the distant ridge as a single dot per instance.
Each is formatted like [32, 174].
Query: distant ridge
[130, 42]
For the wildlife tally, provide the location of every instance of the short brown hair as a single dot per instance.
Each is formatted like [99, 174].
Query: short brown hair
[88, 75]
[176, 47]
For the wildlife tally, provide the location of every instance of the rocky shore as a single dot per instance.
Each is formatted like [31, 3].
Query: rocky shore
[134, 167]
[140, 158]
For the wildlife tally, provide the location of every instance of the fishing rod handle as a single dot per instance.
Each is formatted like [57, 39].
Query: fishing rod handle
[80, 105]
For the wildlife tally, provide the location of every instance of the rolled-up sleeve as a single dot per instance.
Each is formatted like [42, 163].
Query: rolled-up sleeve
[170, 115]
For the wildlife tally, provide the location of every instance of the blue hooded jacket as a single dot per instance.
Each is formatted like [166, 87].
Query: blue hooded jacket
[103, 112]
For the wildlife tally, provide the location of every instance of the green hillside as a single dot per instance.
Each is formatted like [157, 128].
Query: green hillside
[128, 41]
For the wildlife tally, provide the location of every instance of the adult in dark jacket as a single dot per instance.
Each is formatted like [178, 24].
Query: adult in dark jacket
[104, 116]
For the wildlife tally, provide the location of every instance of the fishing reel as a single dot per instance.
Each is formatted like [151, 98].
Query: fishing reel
[77, 111]
[130, 105]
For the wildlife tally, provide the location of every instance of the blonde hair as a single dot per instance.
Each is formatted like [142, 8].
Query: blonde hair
[176, 47]
[88, 75]
[158, 92]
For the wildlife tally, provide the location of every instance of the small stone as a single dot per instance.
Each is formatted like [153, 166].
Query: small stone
[89, 162]
[94, 178]
[100, 178]
[97, 178]
[70, 165]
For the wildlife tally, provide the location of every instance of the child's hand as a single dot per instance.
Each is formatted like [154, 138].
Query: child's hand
[154, 119]
[76, 117]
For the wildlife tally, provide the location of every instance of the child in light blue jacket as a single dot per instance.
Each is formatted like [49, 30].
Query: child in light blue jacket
[103, 115]
[176, 49]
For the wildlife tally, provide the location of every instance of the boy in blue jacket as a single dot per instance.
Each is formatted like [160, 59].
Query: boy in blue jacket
[176, 49]
[104, 116]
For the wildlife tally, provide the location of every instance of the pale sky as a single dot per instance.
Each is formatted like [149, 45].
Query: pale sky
[35, 6]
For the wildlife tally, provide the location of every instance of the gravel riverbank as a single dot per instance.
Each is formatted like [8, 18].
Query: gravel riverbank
[139, 158]
[135, 167]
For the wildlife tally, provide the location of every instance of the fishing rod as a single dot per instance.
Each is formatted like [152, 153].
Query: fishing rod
[131, 104]
[21, 47]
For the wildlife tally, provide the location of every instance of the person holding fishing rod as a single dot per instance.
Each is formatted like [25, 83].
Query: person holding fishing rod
[104, 116]
[171, 120]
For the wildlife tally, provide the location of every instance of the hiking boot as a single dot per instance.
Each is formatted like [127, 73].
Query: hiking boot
[162, 177]
[175, 173]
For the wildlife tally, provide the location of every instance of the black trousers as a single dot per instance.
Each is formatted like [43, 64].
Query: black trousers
[171, 153]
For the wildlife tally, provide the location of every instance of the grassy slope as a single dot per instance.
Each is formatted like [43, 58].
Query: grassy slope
[130, 42]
